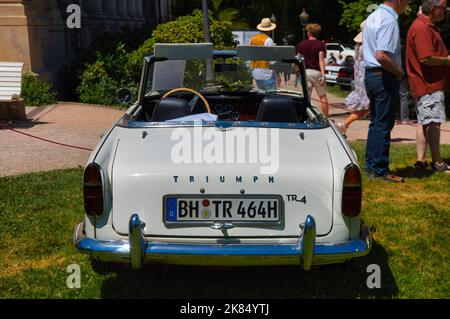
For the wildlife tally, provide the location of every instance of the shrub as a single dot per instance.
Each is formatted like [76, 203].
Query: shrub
[121, 65]
[36, 92]
[185, 29]
[101, 80]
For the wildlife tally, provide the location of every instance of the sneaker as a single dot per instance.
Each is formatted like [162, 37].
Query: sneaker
[440, 168]
[420, 165]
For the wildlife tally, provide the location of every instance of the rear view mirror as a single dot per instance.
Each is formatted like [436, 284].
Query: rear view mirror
[225, 67]
[124, 96]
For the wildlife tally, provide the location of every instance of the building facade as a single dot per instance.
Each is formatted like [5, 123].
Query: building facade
[36, 32]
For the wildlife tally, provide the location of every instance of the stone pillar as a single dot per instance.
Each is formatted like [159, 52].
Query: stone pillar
[156, 12]
[14, 35]
[132, 13]
[71, 36]
[140, 12]
[122, 10]
[163, 11]
[96, 23]
[110, 11]
[146, 9]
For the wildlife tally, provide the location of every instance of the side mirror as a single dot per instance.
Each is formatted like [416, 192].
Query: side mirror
[124, 96]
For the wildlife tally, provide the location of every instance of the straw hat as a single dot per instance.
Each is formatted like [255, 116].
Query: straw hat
[359, 37]
[266, 25]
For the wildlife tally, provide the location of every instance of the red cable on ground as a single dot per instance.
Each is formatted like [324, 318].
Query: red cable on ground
[6, 127]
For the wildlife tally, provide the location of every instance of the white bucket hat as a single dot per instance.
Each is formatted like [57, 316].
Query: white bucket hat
[266, 25]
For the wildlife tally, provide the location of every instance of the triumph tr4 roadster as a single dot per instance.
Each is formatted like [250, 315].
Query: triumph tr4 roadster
[212, 167]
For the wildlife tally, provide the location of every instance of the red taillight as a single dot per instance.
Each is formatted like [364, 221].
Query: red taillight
[352, 192]
[93, 190]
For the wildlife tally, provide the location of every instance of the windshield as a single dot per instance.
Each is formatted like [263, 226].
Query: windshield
[253, 85]
[223, 74]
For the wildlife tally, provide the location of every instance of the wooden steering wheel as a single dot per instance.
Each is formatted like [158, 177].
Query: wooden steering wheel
[208, 107]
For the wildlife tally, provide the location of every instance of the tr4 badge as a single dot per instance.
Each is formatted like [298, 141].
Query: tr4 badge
[294, 198]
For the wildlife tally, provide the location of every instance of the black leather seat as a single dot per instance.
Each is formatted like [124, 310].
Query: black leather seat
[277, 109]
[170, 108]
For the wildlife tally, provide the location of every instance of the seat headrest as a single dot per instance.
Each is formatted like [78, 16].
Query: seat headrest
[279, 109]
[170, 108]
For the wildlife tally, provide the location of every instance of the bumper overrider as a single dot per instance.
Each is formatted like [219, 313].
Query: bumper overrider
[137, 250]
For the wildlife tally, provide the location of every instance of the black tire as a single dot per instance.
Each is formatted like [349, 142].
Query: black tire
[101, 267]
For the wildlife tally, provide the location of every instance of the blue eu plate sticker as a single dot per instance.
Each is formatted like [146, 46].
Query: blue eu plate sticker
[171, 209]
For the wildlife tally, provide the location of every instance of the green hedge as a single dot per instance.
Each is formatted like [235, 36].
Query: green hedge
[36, 92]
[118, 64]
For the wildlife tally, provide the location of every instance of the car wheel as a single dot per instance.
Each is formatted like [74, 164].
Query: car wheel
[101, 267]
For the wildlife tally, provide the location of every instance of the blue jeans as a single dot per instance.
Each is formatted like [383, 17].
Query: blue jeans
[267, 85]
[382, 89]
[404, 100]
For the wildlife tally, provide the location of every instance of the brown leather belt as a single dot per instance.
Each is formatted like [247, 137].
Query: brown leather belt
[375, 70]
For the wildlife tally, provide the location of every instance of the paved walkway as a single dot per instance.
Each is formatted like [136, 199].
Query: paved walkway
[82, 125]
[68, 123]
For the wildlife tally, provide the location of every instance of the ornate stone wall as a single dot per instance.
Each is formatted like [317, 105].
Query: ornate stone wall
[35, 32]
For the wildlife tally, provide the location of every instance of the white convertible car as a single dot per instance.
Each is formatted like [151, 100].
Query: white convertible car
[210, 167]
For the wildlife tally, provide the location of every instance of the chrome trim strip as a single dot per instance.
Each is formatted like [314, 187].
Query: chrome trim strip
[296, 126]
[137, 250]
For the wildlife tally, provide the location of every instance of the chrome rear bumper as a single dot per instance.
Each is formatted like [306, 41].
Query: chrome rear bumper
[137, 250]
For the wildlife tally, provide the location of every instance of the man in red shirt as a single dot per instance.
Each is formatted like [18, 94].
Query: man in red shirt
[427, 65]
[314, 52]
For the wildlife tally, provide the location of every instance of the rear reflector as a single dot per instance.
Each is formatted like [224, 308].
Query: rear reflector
[352, 192]
[93, 190]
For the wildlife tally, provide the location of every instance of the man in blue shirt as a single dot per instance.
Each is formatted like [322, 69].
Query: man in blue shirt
[382, 59]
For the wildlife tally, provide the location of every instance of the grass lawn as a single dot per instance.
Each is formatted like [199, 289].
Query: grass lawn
[336, 91]
[410, 224]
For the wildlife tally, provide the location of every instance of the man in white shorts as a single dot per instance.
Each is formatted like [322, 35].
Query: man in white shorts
[314, 52]
[427, 64]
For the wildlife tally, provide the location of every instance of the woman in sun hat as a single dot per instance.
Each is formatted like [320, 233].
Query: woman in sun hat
[265, 78]
[357, 101]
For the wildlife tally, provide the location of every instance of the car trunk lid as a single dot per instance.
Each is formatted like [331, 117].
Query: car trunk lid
[144, 174]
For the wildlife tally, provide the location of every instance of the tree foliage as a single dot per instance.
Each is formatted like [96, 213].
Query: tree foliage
[229, 16]
[355, 12]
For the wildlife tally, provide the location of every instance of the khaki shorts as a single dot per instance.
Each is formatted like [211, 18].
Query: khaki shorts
[431, 108]
[313, 78]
